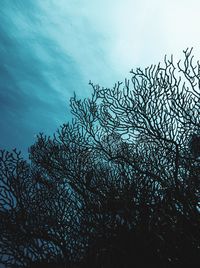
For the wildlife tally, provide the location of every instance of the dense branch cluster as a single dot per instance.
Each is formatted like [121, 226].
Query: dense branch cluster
[119, 186]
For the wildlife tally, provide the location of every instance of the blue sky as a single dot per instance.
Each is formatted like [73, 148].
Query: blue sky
[51, 48]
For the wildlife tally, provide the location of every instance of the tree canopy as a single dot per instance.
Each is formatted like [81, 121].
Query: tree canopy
[119, 186]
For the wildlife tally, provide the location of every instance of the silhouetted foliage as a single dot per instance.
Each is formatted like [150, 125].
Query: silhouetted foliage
[117, 187]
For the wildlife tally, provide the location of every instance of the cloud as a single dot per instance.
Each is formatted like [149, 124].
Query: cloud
[36, 79]
[51, 48]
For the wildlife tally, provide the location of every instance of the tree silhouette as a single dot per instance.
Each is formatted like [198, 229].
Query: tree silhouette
[119, 186]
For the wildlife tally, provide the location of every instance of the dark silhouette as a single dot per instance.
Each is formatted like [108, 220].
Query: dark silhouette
[117, 187]
[195, 145]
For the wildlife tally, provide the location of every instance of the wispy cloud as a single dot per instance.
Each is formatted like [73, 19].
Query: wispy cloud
[51, 48]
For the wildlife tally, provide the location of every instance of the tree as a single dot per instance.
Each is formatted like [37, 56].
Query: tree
[117, 187]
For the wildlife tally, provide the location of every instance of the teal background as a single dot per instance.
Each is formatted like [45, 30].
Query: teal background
[52, 48]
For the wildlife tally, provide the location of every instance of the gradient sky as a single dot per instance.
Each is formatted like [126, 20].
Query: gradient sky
[51, 48]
